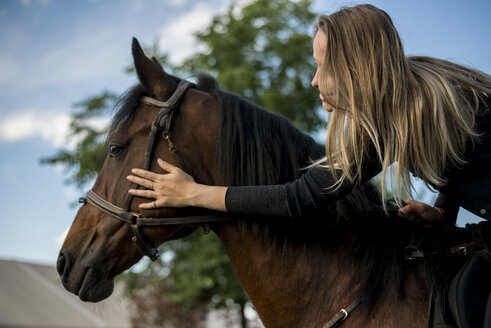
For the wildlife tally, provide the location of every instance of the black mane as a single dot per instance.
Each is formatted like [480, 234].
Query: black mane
[267, 146]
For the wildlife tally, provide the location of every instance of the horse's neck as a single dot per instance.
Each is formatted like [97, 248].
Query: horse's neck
[307, 286]
[289, 286]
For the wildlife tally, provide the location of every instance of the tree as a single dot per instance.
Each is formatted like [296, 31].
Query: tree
[261, 51]
[264, 54]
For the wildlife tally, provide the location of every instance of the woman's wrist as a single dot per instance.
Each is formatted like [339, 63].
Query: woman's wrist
[211, 197]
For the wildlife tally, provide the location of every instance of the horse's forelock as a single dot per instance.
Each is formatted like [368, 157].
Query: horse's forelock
[125, 108]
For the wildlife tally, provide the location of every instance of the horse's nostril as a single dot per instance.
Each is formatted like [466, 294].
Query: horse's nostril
[60, 264]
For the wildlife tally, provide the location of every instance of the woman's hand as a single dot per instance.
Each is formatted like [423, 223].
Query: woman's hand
[427, 215]
[175, 189]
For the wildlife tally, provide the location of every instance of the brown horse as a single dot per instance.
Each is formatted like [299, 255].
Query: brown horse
[297, 273]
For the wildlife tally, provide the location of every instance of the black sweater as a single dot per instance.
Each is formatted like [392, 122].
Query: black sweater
[468, 187]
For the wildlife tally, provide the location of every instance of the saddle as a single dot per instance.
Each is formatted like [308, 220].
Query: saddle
[462, 294]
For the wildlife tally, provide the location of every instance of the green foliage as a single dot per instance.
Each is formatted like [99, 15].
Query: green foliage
[201, 270]
[264, 54]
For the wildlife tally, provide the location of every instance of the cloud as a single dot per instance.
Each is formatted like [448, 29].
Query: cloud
[52, 128]
[177, 37]
[239, 5]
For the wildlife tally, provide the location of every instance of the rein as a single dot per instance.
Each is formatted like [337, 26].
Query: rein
[341, 316]
[162, 123]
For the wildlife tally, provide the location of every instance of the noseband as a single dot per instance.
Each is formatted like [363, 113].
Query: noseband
[162, 123]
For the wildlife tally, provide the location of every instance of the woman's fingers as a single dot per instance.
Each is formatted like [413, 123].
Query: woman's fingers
[148, 175]
[412, 208]
[166, 166]
[171, 189]
[150, 205]
[143, 193]
[149, 184]
[405, 211]
[146, 178]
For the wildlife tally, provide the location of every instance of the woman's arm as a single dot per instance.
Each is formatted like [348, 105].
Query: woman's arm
[307, 196]
[450, 207]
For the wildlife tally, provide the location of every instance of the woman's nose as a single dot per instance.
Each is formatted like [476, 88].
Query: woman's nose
[314, 82]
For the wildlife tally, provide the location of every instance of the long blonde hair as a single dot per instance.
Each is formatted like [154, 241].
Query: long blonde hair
[416, 111]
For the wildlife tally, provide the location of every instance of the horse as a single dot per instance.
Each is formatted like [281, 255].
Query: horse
[347, 260]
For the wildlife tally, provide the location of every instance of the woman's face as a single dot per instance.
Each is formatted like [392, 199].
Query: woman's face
[320, 42]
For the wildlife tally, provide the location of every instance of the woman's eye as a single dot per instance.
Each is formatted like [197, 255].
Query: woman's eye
[114, 150]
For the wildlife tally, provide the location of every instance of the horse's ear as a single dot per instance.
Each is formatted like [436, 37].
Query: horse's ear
[157, 62]
[151, 75]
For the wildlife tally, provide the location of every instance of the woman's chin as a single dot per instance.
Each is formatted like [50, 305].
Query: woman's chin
[327, 107]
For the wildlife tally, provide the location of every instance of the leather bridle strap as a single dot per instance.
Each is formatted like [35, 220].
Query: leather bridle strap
[137, 221]
[118, 212]
[341, 316]
[135, 218]
[161, 122]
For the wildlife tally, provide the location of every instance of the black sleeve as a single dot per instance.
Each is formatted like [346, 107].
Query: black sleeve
[449, 205]
[308, 195]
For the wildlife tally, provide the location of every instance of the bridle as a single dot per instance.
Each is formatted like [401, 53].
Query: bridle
[163, 123]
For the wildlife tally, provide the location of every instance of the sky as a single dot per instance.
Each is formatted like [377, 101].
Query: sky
[54, 53]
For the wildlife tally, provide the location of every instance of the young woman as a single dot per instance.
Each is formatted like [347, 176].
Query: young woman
[429, 115]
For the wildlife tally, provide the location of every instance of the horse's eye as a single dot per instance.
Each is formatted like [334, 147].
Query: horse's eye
[114, 150]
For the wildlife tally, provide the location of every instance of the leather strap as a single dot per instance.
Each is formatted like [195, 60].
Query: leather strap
[339, 318]
[135, 218]
[98, 202]
[139, 239]
[181, 220]
[164, 117]
[466, 248]
[173, 100]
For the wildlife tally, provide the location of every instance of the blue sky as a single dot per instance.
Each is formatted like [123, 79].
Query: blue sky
[54, 53]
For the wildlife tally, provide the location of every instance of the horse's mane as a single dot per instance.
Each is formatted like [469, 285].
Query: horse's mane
[257, 147]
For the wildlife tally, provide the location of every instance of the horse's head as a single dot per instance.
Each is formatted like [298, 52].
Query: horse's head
[98, 246]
